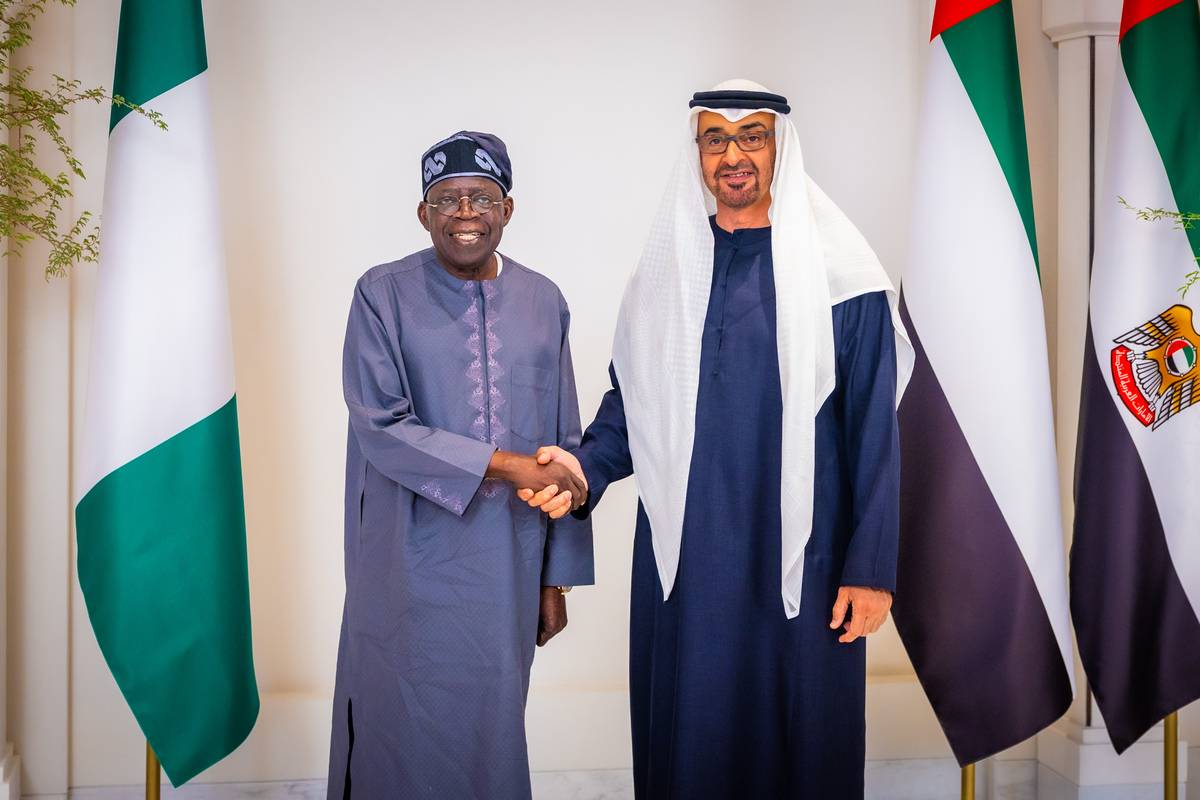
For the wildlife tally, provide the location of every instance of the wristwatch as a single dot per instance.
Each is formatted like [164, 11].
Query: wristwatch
[564, 589]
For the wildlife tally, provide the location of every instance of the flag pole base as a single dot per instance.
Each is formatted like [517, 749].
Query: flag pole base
[968, 782]
[1080, 760]
[1171, 756]
[153, 774]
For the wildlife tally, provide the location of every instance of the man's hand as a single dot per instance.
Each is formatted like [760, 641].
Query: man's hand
[552, 615]
[870, 610]
[554, 503]
[525, 472]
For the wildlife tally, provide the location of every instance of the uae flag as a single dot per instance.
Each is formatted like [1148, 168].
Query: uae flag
[981, 595]
[1135, 558]
[160, 522]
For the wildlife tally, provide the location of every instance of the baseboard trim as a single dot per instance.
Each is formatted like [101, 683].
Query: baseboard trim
[10, 774]
[1079, 762]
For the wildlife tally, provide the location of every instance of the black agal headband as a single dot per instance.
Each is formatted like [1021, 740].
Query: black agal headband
[467, 153]
[735, 98]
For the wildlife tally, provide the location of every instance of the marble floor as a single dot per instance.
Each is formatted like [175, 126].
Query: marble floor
[592, 785]
[916, 779]
[921, 779]
[614, 784]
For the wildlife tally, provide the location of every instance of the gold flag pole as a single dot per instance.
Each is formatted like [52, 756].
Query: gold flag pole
[968, 782]
[1171, 756]
[153, 774]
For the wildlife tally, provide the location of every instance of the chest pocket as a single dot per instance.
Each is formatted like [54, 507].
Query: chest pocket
[531, 395]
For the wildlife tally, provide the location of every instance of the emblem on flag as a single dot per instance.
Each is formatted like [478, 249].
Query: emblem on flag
[1154, 366]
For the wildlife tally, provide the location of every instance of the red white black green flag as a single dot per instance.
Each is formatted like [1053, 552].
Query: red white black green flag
[1135, 560]
[981, 597]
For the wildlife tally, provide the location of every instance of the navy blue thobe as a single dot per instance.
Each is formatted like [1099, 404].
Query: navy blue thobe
[729, 698]
[444, 567]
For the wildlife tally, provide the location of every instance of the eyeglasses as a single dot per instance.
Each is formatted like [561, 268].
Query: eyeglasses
[747, 141]
[448, 206]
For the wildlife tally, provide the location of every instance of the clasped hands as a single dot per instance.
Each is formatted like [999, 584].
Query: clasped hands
[557, 498]
[551, 480]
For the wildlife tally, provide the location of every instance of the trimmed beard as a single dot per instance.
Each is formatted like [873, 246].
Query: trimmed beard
[745, 197]
[741, 198]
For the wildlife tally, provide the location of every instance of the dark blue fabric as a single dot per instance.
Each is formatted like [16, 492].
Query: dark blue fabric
[729, 698]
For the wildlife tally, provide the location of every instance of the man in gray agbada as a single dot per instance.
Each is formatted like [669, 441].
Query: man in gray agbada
[456, 367]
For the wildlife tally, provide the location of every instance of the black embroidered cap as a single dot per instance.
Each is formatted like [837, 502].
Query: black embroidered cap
[467, 153]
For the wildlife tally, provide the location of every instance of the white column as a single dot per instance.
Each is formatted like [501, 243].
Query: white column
[1075, 757]
[10, 765]
[38, 523]
[1075, 26]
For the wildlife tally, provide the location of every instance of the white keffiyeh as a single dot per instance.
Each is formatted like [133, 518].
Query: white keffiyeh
[820, 259]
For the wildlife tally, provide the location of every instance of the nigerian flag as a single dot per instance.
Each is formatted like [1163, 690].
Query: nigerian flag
[160, 522]
[1135, 558]
[981, 586]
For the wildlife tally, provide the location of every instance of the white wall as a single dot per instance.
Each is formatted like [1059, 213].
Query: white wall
[321, 112]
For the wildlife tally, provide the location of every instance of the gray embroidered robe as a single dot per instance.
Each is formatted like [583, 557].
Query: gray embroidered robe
[443, 568]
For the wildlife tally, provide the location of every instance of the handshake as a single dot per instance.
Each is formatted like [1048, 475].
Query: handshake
[550, 480]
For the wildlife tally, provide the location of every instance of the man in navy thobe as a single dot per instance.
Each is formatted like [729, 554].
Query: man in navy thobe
[754, 392]
[456, 366]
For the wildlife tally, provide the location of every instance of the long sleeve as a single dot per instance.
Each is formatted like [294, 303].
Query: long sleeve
[867, 372]
[604, 452]
[568, 559]
[445, 468]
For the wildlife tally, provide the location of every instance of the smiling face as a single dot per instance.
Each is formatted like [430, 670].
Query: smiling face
[466, 240]
[738, 179]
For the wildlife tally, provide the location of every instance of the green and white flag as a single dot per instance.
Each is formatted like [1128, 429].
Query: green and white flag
[160, 521]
